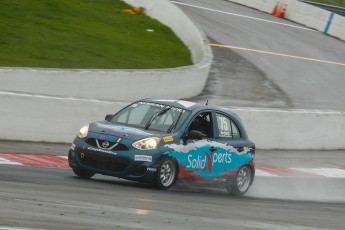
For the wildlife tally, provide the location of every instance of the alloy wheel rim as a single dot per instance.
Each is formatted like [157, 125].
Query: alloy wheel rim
[167, 173]
[243, 179]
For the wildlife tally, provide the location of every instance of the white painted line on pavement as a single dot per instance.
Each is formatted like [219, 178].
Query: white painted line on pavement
[259, 172]
[326, 172]
[23, 94]
[64, 157]
[15, 228]
[4, 161]
[244, 16]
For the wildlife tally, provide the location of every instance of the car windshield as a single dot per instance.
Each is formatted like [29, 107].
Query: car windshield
[152, 116]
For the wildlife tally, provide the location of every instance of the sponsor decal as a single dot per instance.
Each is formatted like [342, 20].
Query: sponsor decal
[102, 137]
[168, 139]
[151, 169]
[101, 150]
[162, 106]
[73, 146]
[220, 180]
[143, 158]
[208, 159]
[186, 104]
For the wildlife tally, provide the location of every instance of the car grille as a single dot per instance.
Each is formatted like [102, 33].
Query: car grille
[105, 162]
[112, 145]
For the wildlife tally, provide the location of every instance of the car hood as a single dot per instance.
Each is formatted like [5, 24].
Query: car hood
[107, 128]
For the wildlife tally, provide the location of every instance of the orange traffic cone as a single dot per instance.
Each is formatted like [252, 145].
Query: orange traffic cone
[275, 9]
[282, 11]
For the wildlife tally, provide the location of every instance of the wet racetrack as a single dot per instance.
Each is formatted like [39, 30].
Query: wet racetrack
[50, 198]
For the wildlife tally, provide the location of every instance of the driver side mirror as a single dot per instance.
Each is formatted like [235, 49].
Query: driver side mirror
[108, 117]
[196, 135]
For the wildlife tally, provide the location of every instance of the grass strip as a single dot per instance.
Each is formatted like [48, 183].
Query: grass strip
[85, 34]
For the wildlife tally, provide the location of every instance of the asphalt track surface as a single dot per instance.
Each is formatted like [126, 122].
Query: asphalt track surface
[50, 198]
[248, 78]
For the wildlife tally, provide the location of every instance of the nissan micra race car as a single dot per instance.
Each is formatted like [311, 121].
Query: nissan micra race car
[164, 141]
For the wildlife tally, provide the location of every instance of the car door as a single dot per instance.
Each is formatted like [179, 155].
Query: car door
[202, 158]
[229, 135]
[216, 156]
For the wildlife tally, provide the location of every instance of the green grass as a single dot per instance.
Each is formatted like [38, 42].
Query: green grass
[84, 34]
[340, 3]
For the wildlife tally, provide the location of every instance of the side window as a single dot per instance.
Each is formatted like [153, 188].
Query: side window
[226, 127]
[235, 131]
[203, 123]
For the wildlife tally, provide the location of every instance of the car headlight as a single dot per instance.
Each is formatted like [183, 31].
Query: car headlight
[83, 131]
[147, 143]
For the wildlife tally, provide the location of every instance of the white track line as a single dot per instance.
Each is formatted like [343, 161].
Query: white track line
[260, 173]
[24, 94]
[4, 161]
[64, 157]
[244, 16]
[15, 228]
[326, 172]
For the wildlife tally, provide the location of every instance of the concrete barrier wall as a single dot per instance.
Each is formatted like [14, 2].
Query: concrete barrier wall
[294, 129]
[124, 85]
[54, 116]
[26, 117]
[113, 85]
[302, 13]
[337, 28]
[41, 118]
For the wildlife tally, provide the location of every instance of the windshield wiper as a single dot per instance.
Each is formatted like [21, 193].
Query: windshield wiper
[154, 116]
[173, 125]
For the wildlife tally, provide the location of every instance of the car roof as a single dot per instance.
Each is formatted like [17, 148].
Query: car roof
[189, 105]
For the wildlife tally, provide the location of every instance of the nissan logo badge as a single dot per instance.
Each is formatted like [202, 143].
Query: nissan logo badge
[105, 144]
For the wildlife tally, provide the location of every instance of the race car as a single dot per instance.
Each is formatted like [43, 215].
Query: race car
[162, 142]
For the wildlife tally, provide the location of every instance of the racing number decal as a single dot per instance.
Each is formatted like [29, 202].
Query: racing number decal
[224, 126]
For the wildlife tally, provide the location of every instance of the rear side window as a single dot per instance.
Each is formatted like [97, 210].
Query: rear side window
[226, 127]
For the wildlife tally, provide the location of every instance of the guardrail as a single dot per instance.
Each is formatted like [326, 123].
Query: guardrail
[303, 13]
[334, 9]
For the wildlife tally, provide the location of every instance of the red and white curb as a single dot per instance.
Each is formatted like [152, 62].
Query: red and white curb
[34, 160]
[61, 162]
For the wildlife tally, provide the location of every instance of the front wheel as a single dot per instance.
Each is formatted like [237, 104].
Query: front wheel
[166, 174]
[240, 184]
[83, 173]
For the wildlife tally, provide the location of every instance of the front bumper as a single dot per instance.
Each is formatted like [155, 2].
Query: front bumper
[132, 164]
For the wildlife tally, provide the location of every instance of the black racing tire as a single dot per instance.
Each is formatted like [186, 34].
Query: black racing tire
[240, 184]
[83, 173]
[167, 174]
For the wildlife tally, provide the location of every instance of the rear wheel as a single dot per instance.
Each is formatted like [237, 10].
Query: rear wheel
[166, 174]
[240, 184]
[83, 173]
